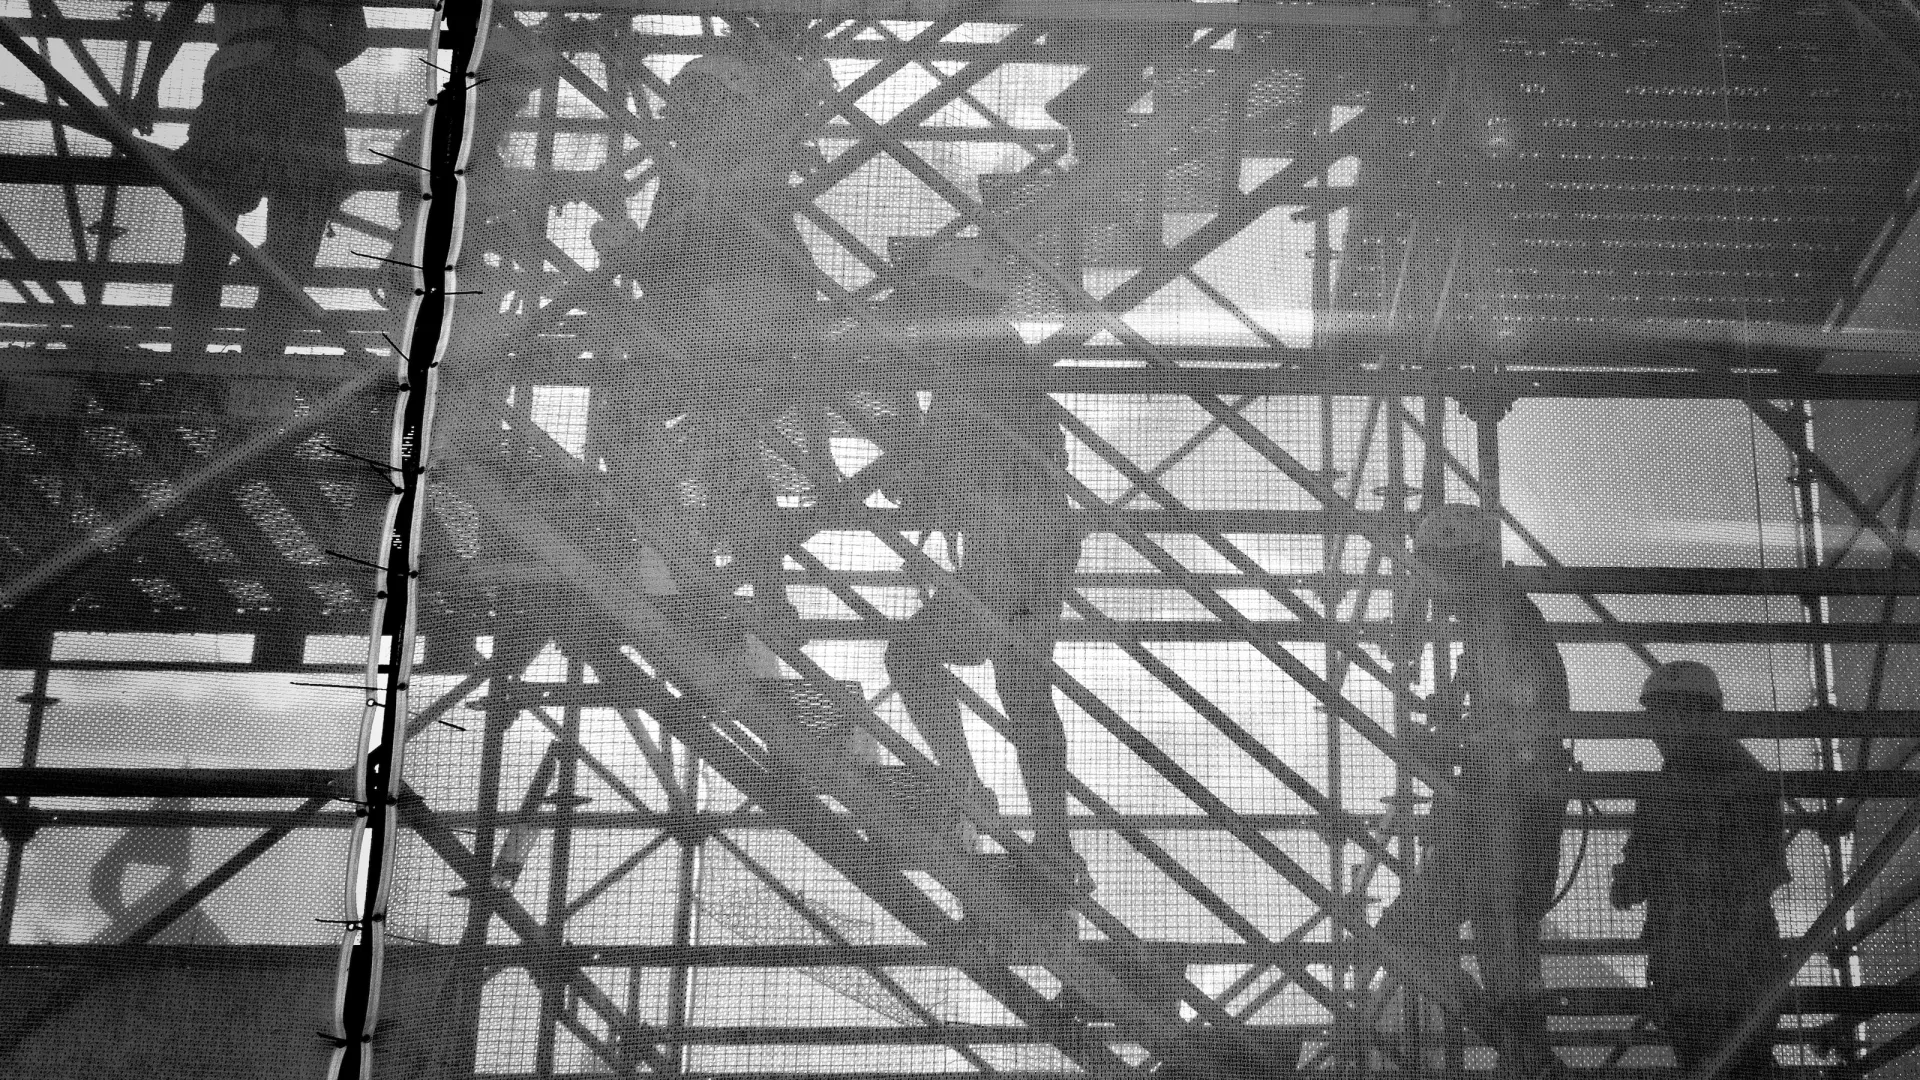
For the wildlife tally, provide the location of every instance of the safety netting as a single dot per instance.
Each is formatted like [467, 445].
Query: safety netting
[811, 538]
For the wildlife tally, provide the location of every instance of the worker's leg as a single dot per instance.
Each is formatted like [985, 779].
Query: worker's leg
[1424, 922]
[1039, 739]
[1035, 573]
[1422, 926]
[297, 215]
[937, 635]
[203, 270]
[1522, 870]
[219, 159]
[1699, 1015]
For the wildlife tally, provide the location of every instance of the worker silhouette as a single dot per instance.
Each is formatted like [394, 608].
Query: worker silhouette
[1101, 109]
[1706, 851]
[1493, 849]
[271, 125]
[986, 469]
[727, 281]
[164, 849]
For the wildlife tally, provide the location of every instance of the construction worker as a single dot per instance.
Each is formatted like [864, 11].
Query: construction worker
[988, 459]
[271, 125]
[166, 847]
[1706, 851]
[726, 279]
[1493, 846]
[1100, 109]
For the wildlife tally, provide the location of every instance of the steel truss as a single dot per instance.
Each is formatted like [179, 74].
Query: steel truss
[1400, 340]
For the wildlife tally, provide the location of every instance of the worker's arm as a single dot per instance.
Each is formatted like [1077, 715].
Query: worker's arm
[1632, 875]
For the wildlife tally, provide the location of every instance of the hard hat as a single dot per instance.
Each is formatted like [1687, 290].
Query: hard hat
[1457, 533]
[969, 262]
[1683, 684]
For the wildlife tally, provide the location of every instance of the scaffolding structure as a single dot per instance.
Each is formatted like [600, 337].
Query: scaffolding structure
[400, 609]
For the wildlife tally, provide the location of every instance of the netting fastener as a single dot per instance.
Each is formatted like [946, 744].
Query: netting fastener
[351, 924]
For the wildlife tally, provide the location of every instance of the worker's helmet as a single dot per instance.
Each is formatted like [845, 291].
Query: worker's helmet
[1458, 536]
[969, 262]
[1683, 684]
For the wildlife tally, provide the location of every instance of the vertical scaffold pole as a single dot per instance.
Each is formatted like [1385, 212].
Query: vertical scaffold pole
[19, 827]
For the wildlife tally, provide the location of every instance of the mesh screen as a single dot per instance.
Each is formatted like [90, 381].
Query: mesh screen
[186, 620]
[1112, 538]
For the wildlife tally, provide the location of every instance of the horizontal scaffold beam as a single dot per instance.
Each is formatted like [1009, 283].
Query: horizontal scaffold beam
[1380, 632]
[1616, 1072]
[1745, 724]
[312, 783]
[271, 620]
[906, 955]
[1571, 580]
[209, 816]
[122, 172]
[1333, 16]
[179, 783]
[1299, 16]
[1277, 372]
